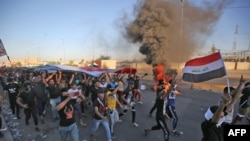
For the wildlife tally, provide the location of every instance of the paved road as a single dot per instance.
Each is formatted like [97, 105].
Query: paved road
[191, 106]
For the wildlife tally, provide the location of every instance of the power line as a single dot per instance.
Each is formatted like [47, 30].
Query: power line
[233, 7]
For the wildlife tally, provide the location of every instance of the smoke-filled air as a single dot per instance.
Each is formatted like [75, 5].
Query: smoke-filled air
[171, 30]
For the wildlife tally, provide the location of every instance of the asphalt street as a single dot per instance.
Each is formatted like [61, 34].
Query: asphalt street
[191, 105]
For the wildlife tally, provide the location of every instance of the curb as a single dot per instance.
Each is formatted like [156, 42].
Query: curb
[7, 134]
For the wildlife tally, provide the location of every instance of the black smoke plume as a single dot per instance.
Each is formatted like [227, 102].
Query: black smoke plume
[165, 35]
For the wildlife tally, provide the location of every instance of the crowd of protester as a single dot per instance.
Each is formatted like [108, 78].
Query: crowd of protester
[109, 97]
[70, 94]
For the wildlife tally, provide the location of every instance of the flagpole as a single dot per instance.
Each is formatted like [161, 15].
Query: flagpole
[2, 48]
[227, 78]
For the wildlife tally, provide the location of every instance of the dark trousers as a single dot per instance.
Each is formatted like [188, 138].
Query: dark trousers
[41, 106]
[0, 122]
[14, 106]
[161, 124]
[153, 108]
[31, 111]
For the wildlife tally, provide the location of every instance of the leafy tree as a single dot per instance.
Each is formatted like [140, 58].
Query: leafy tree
[18, 64]
[53, 62]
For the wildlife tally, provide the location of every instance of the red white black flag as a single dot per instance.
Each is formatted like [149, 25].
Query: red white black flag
[204, 68]
[2, 49]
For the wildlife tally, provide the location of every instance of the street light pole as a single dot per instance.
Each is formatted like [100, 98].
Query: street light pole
[63, 51]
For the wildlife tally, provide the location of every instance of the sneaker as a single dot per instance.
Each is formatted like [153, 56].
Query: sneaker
[166, 137]
[146, 131]
[44, 112]
[82, 123]
[3, 129]
[135, 124]
[139, 102]
[113, 135]
[120, 120]
[132, 103]
[14, 117]
[177, 133]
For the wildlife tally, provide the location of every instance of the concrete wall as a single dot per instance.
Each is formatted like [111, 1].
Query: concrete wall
[243, 66]
[145, 68]
[108, 64]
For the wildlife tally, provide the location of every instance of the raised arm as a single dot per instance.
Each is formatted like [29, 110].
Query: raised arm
[218, 113]
[235, 95]
[172, 85]
[72, 78]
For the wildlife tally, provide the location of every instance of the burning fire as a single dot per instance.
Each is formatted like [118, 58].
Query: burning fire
[159, 73]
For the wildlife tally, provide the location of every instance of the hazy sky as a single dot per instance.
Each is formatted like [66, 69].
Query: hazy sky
[86, 29]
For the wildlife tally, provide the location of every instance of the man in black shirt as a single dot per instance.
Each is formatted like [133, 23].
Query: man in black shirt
[12, 90]
[67, 125]
[52, 85]
[160, 109]
[26, 99]
[100, 115]
[41, 95]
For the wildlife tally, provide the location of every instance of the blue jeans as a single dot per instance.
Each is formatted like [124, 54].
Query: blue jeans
[105, 124]
[41, 106]
[71, 131]
[53, 102]
[78, 110]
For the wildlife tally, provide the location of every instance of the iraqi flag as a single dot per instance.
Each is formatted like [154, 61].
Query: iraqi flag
[204, 68]
[96, 64]
[2, 49]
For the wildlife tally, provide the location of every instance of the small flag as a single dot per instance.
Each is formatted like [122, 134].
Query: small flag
[204, 68]
[2, 49]
[96, 64]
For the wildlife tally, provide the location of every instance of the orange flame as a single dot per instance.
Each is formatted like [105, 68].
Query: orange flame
[159, 73]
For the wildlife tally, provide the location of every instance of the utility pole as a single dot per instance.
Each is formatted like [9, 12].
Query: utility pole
[235, 38]
[64, 60]
[249, 46]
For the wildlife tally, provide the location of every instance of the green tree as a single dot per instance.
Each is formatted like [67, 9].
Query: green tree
[18, 64]
[53, 62]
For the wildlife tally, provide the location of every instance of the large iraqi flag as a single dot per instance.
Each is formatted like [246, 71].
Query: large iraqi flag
[2, 49]
[204, 68]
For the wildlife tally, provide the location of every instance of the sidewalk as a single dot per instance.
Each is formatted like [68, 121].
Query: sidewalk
[7, 133]
[18, 131]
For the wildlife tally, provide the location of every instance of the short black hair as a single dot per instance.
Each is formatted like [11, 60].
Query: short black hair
[101, 90]
[225, 90]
